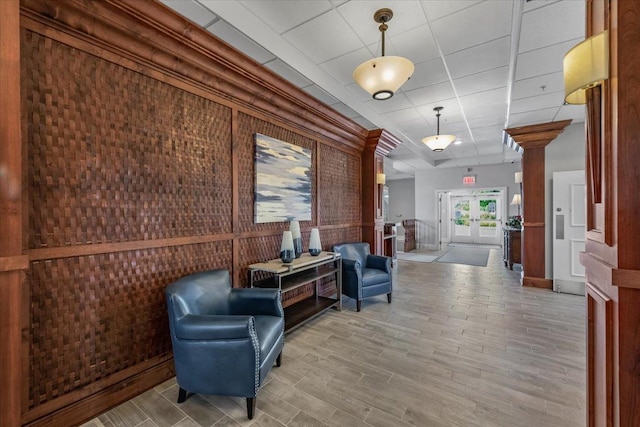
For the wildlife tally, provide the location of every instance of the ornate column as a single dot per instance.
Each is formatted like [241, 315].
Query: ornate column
[533, 139]
[379, 144]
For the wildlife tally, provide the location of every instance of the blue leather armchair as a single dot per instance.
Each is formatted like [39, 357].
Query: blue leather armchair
[363, 274]
[225, 340]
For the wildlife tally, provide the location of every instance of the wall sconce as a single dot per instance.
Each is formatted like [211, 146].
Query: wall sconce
[518, 177]
[381, 179]
[517, 201]
[584, 66]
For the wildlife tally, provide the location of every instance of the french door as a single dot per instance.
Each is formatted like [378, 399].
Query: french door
[476, 219]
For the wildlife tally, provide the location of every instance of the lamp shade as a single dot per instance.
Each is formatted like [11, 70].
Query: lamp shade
[516, 199]
[383, 76]
[381, 179]
[518, 177]
[438, 143]
[585, 65]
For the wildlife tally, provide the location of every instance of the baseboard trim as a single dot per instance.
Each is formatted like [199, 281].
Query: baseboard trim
[537, 282]
[95, 404]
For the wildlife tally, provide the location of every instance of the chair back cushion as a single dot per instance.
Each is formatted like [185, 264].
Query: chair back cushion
[354, 251]
[200, 293]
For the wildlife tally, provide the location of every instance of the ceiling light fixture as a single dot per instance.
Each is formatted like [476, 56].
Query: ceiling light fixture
[438, 142]
[383, 76]
[584, 66]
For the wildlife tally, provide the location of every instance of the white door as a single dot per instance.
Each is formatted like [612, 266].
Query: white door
[476, 219]
[569, 208]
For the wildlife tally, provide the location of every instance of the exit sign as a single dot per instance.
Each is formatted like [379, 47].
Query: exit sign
[469, 180]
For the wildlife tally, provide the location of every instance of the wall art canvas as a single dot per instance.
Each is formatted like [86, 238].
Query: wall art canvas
[283, 181]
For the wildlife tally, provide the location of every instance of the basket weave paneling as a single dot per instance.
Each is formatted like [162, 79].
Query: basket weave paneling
[339, 187]
[247, 127]
[93, 316]
[115, 156]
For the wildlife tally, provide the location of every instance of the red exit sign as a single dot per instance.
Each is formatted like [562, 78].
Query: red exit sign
[469, 180]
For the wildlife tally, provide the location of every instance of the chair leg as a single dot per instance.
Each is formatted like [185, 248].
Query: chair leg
[251, 407]
[182, 395]
[358, 304]
[389, 297]
[279, 360]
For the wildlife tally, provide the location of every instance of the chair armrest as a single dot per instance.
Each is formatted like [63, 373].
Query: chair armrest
[255, 302]
[379, 262]
[351, 265]
[213, 327]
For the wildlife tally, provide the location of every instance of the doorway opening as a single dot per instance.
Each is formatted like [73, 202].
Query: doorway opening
[471, 217]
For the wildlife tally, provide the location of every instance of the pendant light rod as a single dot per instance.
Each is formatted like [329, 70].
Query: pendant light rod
[382, 16]
[437, 110]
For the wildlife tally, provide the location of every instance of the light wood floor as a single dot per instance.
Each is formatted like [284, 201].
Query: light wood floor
[459, 346]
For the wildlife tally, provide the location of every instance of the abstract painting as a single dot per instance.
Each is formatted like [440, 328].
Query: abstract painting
[283, 181]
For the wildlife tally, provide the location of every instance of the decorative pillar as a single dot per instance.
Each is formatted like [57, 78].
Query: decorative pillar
[533, 139]
[379, 144]
[12, 262]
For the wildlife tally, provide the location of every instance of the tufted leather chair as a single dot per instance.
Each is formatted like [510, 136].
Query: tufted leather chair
[225, 340]
[363, 274]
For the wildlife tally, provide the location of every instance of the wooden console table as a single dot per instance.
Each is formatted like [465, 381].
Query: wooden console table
[300, 272]
[512, 244]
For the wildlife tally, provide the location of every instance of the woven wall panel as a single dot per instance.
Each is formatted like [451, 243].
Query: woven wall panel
[115, 156]
[339, 187]
[93, 316]
[247, 127]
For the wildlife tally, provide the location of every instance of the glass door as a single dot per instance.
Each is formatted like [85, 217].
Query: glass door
[476, 219]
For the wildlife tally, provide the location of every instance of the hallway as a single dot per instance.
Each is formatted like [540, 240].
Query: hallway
[459, 346]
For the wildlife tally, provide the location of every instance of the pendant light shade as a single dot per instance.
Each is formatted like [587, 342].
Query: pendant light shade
[383, 76]
[438, 142]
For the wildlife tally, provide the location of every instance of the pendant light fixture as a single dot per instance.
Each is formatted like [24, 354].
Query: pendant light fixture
[383, 76]
[438, 142]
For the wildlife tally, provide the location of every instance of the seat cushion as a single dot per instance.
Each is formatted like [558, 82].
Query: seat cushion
[372, 276]
[269, 330]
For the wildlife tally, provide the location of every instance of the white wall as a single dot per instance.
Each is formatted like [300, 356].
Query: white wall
[402, 202]
[428, 181]
[565, 153]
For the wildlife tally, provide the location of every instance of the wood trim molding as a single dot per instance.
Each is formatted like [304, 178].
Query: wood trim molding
[117, 388]
[151, 34]
[383, 141]
[626, 278]
[13, 263]
[537, 136]
[537, 282]
[533, 224]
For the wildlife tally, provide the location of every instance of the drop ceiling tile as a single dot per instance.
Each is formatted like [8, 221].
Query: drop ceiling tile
[417, 124]
[341, 68]
[492, 120]
[323, 38]
[241, 42]
[358, 92]
[416, 44]
[532, 117]
[191, 10]
[426, 74]
[543, 61]
[288, 73]
[462, 29]
[396, 102]
[431, 94]
[487, 111]
[436, 9]
[486, 56]
[450, 112]
[492, 79]
[344, 110]
[364, 123]
[547, 100]
[479, 99]
[359, 16]
[552, 82]
[320, 94]
[557, 22]
[285, 15]
[531, 5]
[487, 133]
[487, 149]
[403, 116]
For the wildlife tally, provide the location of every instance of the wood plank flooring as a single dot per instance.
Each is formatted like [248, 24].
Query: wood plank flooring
[459, 346]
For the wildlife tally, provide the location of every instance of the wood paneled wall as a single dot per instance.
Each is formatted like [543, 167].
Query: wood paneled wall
[138, 151]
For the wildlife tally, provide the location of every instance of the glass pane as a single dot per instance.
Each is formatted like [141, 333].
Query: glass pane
[461, 218]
